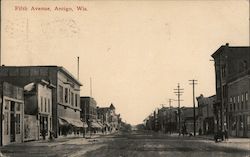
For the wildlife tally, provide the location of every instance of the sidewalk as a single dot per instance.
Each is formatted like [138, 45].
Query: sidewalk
[240, 143]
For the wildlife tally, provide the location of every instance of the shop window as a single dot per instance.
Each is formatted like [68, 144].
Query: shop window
[6, 119]
[18, 126]
[241, 123]
[248, 123]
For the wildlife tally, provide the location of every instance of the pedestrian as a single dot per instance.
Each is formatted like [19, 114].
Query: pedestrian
[200, 131]
[226, 135]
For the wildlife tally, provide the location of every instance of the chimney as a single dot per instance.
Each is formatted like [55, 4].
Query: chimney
[227, 44]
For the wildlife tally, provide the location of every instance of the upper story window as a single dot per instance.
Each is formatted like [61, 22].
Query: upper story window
[246, 96]
[76, 100]
[72, 98]
[60, 94]
[66, 94]
[223, 70]
[45, 105]
[48, 105]
[41, 104]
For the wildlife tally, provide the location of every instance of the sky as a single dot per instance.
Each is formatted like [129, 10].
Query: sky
[135, 52]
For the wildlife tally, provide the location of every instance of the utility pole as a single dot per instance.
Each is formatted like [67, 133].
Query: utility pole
[193, 83]
[179, 92]
[78, 68]
[170, 114]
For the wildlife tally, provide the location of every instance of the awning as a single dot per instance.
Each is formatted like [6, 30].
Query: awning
[62, 121]
[100, 124]
[107, 124]
[95, 125]
[74, 122]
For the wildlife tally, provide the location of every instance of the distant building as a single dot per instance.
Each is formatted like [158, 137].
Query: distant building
[103, 115]
[65, 97]
[187, 118]
[206, 115]
[89, 114]
[12, 112]
[38, 110]
[232, 69]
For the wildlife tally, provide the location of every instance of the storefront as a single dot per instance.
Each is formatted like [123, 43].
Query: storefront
[12, 113]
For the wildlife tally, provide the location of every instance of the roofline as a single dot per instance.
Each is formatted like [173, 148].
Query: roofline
[226, 46]
[65, 71]
[59, 68]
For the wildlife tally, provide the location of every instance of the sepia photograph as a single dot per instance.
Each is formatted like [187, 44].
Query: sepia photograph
[125, 78]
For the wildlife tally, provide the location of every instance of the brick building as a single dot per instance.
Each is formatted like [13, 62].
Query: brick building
[232, 69]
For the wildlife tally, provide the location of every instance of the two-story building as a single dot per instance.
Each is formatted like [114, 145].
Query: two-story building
[65, 97]
[232, 69]
[206, 117]
[38, 110]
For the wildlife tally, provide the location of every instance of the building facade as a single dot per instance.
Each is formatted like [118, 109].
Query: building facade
[65, 97]
[38, 110]
[12, 113]
[206, 117]
[232, 69]
[89, 114]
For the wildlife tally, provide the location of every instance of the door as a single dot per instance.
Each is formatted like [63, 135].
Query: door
[12, 122]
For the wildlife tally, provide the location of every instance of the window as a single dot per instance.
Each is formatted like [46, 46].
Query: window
[234, 100]
[60, 94]
[45, 105]
[49, 105]
[41, 104]
[242, 98]
[17, 107]
[76, 99]
[72, 98]
[248, 123]
[69, 96]
[223, 70]
[246, 96]
[18, 126]
[66, 95]
[238, 99]
[231, 99]
[7, 104]
[6, 119]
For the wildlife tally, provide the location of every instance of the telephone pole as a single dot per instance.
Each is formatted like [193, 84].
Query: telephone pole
[170, 115]
[193, 83]
[179, 92]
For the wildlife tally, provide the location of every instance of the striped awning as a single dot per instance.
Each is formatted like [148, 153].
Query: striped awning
[74, 122]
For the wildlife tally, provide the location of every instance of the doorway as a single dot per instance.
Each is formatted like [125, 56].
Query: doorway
[12, 122]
